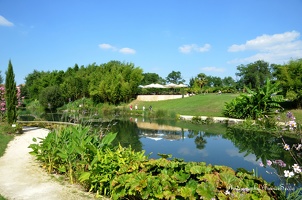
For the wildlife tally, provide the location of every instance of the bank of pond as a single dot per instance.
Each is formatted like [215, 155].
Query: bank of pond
[138, 158]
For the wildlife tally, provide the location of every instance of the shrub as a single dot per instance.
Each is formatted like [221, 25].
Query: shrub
[255, 104]
[51, 98]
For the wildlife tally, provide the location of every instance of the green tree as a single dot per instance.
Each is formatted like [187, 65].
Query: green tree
[11, 94]
[37, 81]
[201, 80]
[73, 87]
[214, 81]
[228, 82]
[254, 74]
[115, 82]
[152, 78]
[175, 77]
[51, 98]
[289, 77]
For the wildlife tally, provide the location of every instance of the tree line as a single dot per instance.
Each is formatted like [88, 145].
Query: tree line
[117, 82]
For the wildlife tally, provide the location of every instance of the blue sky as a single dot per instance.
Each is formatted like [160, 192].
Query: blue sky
[160, 36]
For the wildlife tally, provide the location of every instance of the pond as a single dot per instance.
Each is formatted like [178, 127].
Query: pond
[212, 144]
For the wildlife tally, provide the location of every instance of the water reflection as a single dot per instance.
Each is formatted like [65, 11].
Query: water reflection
[236, 149]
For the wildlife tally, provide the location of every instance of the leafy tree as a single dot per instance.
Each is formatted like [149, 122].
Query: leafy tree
[254, 74]
[201, 80]
[11, 94]
[37, 81]
[228, 82]
[289, 77]
[115, 82]
[51, 98]
[213, 81]
[175, 77]
[72, 87]
[197, 83]
[152, 78]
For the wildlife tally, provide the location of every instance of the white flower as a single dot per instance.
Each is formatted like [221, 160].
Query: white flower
[288, 173]
[292, 125]
[227, 192]
[286, 147]
[296, 168]
[298, 147]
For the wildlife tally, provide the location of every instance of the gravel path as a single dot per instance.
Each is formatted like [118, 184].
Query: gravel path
[22, 178]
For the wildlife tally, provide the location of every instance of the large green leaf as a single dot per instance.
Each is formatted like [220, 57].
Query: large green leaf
[108, 138]
[84, 176]
[206, 190]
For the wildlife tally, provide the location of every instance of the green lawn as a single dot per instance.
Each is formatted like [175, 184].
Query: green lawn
[199, 105]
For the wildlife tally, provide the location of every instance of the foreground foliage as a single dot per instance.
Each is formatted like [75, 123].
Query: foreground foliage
[87, 157]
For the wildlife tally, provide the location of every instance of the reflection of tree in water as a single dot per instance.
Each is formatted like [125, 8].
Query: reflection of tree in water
[264, 146]
[192, 133]
[200, 141]
[127, 134]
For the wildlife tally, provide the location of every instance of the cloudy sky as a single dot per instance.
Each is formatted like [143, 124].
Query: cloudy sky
[160, 36]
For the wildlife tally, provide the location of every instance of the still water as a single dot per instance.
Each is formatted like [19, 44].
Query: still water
[212, 144]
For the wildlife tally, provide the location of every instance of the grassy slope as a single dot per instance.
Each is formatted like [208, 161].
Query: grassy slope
[200, 105]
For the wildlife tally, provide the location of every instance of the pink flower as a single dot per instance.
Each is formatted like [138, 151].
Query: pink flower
[280, 163]
[269, 163]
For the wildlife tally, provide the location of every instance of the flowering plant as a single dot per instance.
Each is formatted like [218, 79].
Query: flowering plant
[3, 101]
[290, 173]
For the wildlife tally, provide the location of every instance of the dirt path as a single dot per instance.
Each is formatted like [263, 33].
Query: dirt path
[22, 178]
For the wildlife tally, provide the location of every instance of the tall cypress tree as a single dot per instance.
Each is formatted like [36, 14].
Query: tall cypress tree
[11, 94]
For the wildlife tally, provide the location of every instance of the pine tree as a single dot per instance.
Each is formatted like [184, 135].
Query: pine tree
[11, 94]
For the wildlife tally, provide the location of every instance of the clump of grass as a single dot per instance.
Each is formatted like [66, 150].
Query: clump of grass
[5, 136]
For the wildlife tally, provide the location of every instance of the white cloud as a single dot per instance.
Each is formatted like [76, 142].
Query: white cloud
[188, 48]
[124, 50]
[213, 69]
[106, 46]
[277, 48]
[5, 22]
[127, 51]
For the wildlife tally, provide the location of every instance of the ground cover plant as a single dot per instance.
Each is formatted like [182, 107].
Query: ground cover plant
[83, 156]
